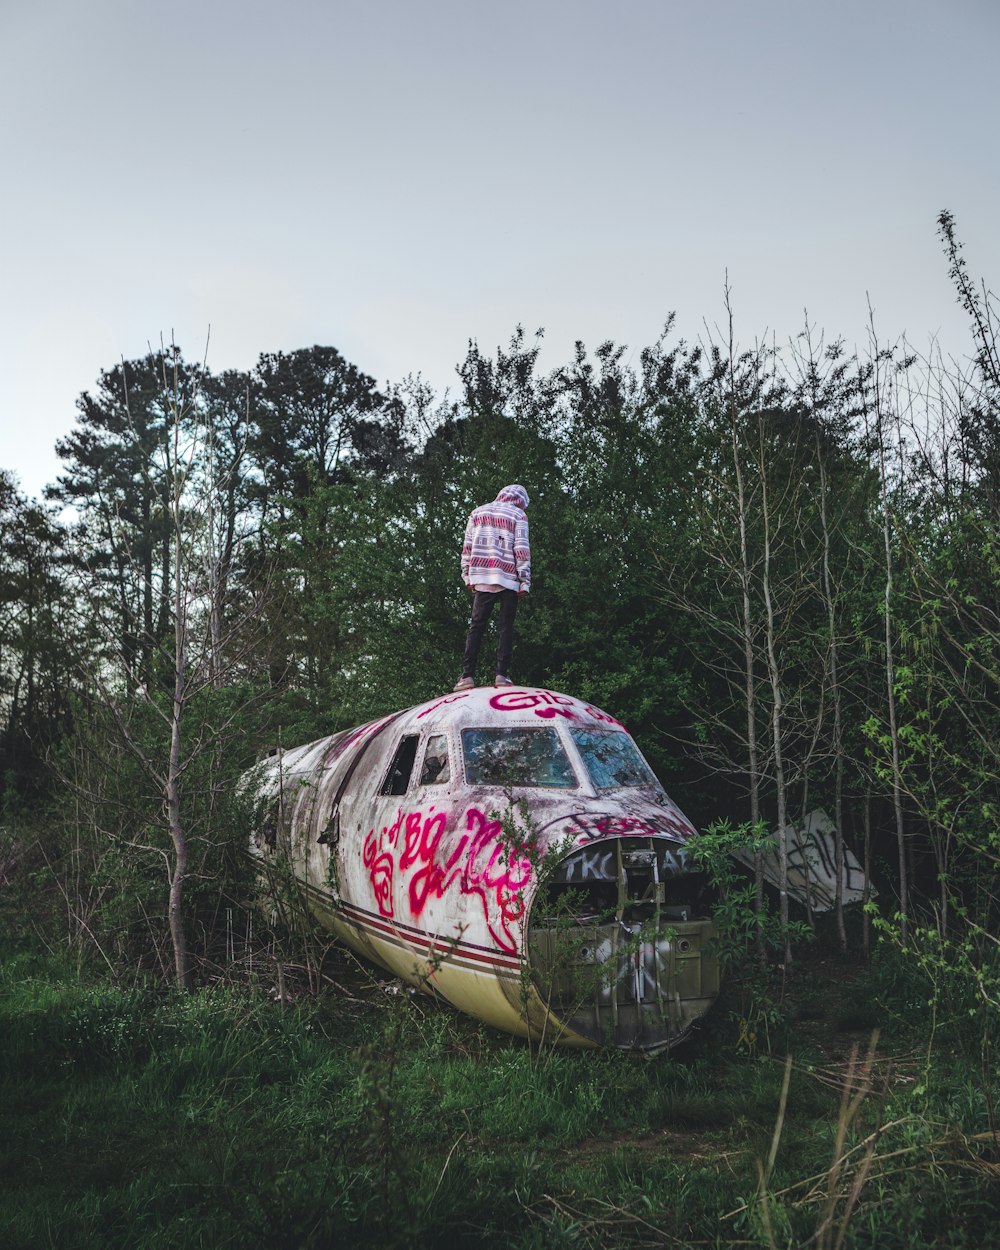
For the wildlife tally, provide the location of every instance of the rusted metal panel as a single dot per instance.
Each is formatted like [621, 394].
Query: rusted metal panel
[812, 864]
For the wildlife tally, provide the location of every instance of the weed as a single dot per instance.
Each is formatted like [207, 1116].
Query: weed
[220, 1118]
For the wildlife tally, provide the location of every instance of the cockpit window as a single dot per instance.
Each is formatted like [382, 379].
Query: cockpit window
[611, 759]
[516, 757]
[435, 770]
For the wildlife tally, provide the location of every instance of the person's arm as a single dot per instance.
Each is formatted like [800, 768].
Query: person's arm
[467, 551]
[522, 556]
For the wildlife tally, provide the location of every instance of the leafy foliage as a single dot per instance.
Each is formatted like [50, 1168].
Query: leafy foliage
[777, 566]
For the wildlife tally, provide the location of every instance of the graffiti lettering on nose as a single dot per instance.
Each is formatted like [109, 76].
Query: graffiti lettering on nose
[602, 716]
[542, 702]
[479, 861]
[602, 865]
[610, 826]
[590, 866]
[639, 975]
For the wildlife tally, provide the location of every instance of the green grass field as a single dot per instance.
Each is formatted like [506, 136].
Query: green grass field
[136, 1118]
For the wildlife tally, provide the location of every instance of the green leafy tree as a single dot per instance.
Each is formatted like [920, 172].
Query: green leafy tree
[307, 406]
[118, 465]
[40, 644]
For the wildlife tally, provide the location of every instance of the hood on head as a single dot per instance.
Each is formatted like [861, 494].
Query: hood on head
[514, 494]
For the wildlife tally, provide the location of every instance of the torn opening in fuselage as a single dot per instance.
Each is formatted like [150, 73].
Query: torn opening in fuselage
[620, 943]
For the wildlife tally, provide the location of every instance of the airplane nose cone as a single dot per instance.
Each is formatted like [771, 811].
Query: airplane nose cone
[619, 944]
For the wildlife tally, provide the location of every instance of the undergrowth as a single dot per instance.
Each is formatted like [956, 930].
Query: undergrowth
[366, 1117]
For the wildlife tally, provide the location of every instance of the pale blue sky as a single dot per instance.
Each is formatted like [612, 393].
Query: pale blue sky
[395, 177]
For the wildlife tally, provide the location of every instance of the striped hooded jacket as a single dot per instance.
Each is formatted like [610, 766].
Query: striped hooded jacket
[496, 551]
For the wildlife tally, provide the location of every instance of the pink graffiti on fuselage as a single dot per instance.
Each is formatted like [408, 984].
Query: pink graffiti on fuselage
[481, 862]
[542, 702]
[349, 739]
[608, 826]
[497, 871]
[380, 872]
[547, 705]
[603, 716]
[453, 698]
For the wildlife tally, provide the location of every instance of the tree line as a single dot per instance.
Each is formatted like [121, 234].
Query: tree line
[777, 565]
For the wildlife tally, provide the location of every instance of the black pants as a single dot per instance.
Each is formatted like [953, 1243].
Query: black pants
[482, 606]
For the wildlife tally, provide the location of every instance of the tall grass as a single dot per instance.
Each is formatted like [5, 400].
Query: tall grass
[138, 1118]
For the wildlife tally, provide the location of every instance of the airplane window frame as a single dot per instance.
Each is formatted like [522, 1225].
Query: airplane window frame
[597, 774]
[444, 775]
[388, 788]
[538, 733]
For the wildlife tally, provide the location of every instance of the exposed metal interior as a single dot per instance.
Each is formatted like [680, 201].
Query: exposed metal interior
[619, 943]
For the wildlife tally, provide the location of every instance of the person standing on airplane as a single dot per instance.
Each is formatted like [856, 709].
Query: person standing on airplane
[496, 568]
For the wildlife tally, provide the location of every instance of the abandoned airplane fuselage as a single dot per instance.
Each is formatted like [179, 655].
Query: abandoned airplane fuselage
[509, 850]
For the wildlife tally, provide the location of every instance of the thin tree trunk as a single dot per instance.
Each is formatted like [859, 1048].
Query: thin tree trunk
[838, 739]
[890, 674]
[172, 795]
[890, 692]
[776, 726]
[866, 926]
[750, 684]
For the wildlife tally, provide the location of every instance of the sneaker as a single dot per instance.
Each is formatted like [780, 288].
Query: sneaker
[500, 680]
[464, 683]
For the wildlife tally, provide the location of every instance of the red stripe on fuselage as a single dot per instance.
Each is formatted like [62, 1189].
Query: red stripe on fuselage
[403, 934]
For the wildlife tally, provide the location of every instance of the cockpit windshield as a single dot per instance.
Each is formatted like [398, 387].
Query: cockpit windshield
[516, 757]
[612, 759]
